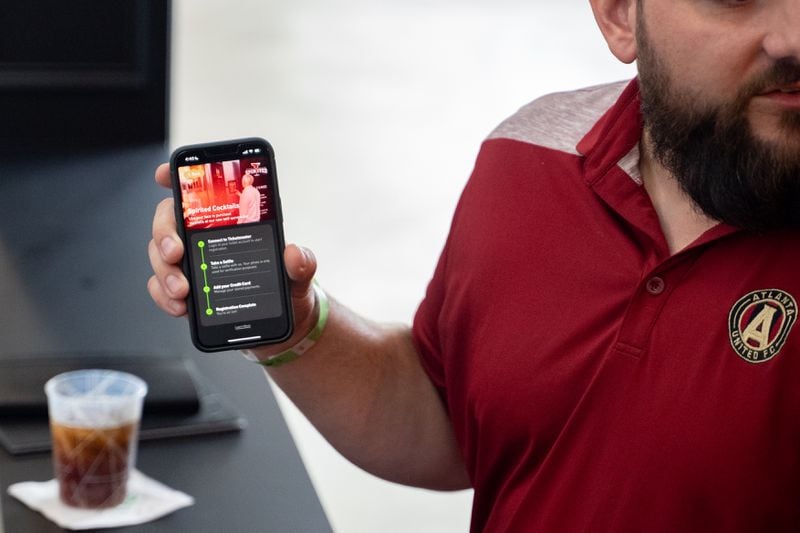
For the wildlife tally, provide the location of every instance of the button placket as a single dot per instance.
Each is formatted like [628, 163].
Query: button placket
[651, 296]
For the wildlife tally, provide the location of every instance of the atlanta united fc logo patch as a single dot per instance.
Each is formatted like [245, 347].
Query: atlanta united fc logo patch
[760, 322]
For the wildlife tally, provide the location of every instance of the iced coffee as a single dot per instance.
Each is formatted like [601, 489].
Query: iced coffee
[94, 420]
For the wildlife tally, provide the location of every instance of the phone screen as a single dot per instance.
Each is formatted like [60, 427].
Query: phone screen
[229, 210]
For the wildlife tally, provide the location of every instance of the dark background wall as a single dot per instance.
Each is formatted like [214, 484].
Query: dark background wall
[83, 73]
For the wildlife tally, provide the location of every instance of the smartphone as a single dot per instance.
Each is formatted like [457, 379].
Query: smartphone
[229, 217]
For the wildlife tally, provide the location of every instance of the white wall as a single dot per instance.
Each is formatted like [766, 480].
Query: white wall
[376, 109]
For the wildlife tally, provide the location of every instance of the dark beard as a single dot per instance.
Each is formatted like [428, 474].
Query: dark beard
[731, 175]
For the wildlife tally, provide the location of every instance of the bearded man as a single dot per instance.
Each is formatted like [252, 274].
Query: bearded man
[608, 341]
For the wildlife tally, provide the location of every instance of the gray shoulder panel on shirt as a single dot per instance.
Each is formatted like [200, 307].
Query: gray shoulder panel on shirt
[560, 120]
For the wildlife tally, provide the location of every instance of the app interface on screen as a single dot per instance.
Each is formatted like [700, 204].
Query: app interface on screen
[228, 214]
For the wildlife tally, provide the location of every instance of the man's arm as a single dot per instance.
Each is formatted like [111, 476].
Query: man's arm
[363, 388]
[361, 385]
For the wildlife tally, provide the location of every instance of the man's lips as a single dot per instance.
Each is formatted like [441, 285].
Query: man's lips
[785, 95]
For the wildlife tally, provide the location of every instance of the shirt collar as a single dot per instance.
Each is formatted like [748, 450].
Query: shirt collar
[610, 153]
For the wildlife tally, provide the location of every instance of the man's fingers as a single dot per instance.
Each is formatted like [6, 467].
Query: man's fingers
[301, 265]
[165, 232]
[169, 276]
[172, 306]
[168, 286]
[162, 175]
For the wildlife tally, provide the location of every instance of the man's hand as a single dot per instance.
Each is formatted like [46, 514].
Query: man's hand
[169, 287]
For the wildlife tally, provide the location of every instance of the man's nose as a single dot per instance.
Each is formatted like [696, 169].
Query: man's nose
[782, 38]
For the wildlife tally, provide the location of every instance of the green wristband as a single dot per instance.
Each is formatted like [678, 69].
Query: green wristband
[304, 345]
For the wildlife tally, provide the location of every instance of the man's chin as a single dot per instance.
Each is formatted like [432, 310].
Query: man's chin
[781, 131]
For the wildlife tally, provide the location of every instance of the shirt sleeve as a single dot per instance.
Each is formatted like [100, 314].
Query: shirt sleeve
[427, 323]
[436, 322]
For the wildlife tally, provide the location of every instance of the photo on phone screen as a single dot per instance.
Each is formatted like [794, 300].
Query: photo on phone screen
[228, 211]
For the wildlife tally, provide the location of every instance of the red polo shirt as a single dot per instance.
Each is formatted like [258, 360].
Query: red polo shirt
[596, 383]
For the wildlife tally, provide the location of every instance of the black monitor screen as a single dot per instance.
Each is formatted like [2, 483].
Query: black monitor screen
[82, 73]
[71, 34]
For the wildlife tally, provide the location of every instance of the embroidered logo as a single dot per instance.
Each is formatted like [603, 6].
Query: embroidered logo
[760, 322]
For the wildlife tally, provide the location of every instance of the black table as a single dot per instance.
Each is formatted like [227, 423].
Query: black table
[73, 240]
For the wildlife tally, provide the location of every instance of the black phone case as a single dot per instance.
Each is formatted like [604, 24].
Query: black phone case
[220, 146]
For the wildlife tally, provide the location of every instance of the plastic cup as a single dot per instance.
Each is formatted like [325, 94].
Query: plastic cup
[94, 425]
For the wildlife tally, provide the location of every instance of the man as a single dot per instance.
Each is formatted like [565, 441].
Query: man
[249, 201]
[607, 343]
